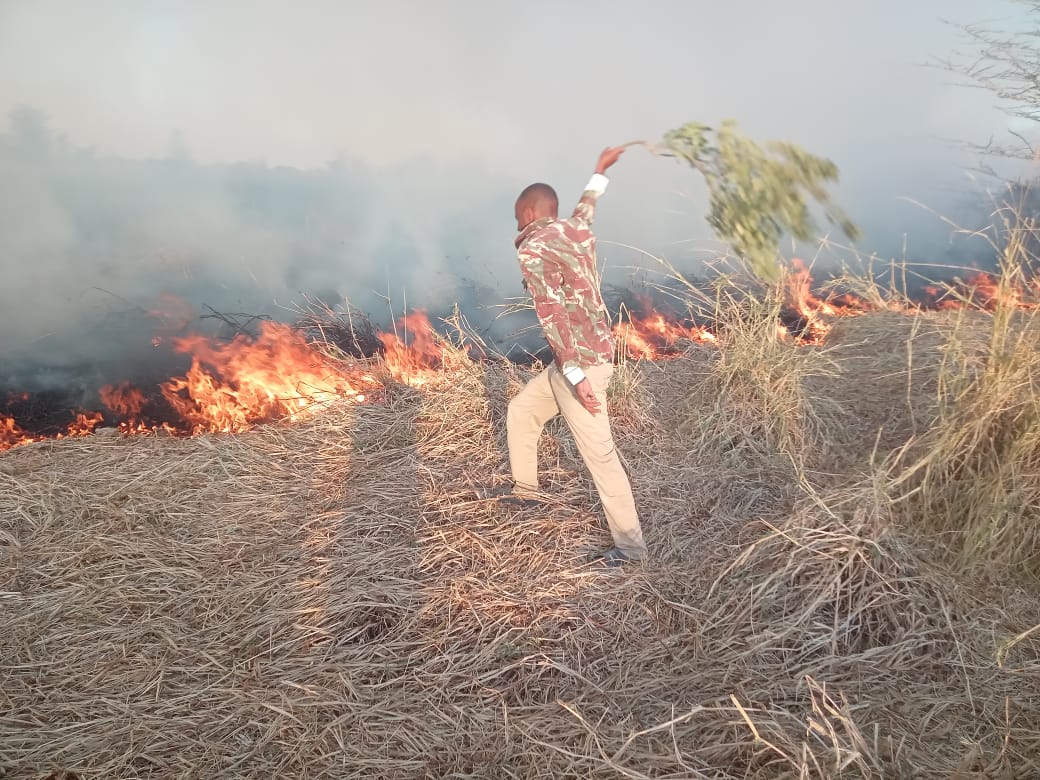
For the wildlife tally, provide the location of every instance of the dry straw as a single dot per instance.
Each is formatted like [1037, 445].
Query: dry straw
[333, 598]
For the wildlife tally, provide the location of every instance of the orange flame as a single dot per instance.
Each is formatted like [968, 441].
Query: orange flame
[124, 399]
[276, 375]
[653, 336]
[983, 291]
[127, 401]
[234, 385]
[230, 387]
[412, 354]
[84, 424]
[10, 434]
[810, 309]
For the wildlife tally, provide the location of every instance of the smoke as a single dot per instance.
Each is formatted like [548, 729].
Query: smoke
[95, 247]
[240, 157]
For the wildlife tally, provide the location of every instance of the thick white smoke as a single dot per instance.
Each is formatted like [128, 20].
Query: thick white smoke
[240, 155]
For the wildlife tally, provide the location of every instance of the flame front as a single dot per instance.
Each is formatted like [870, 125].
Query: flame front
[653, 336]
[124, 399]
[984, 291]
[800, 300]
[10, 434]
[233, 386]
[412, 353]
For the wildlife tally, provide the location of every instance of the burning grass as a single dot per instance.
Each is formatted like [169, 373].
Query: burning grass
[274, 371]
[330, 597]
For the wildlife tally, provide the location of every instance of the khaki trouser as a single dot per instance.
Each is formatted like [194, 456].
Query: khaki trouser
[549, 394]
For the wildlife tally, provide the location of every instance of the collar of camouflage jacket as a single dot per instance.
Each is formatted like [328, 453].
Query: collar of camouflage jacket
[538, 224]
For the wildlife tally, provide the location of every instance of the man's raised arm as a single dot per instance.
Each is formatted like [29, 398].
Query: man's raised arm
[586, 208]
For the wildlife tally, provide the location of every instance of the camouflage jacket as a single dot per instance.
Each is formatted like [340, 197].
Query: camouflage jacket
[558, 260]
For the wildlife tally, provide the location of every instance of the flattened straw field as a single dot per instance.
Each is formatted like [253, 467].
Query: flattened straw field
[332, 599]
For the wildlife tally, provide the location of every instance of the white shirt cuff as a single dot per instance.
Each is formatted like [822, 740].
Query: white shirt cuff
[598, 183]
[574, 374]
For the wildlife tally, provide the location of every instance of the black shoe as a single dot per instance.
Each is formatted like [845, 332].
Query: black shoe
[610, 558]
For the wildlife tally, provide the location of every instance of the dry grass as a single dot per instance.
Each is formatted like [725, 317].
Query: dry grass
[332, 599]
[759, 385]
[974, 478]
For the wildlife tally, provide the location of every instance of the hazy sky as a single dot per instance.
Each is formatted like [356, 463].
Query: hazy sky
[523, 87]
[449, 107]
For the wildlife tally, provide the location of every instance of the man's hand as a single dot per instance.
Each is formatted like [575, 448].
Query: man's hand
[587, 396]
[608, 157]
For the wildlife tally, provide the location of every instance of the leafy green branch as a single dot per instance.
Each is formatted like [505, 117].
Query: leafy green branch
[758, 194]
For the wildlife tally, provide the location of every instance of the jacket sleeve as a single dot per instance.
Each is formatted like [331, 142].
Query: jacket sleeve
[544, 280]
[585, 211]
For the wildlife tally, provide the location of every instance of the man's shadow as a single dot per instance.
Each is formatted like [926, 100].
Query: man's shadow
[359, 549]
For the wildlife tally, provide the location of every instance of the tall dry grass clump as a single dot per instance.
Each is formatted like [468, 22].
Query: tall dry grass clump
[973, 478]
[758, 380]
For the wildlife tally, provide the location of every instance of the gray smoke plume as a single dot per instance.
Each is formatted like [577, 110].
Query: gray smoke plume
[98, 250]
[242, 156]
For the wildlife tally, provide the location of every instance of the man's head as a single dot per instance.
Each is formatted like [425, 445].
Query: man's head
[535, 202]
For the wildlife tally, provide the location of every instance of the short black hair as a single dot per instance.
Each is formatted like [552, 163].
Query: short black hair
[539, 193]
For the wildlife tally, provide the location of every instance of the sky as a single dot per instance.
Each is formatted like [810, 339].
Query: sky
[409, 127]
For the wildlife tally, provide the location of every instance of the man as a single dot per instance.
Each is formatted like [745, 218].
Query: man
[558, 260]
